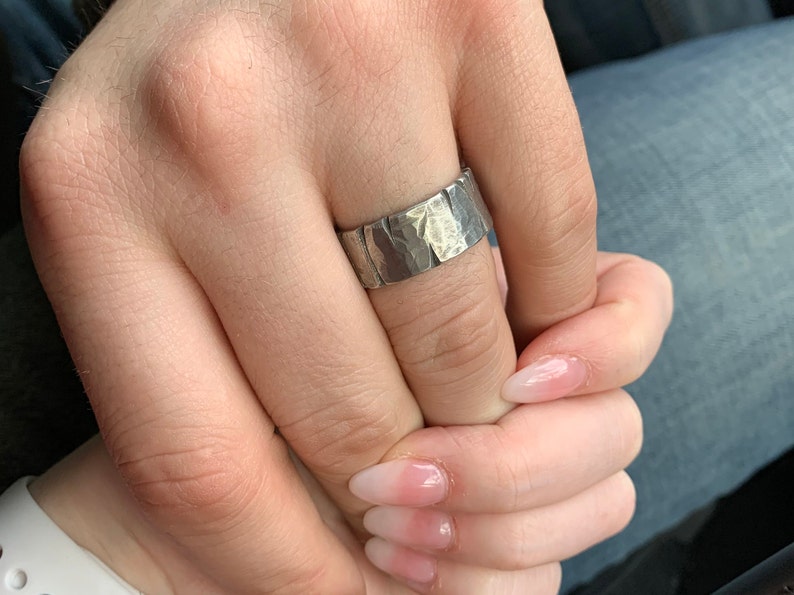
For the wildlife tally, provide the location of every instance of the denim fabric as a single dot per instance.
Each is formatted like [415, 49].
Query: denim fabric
[692, 149]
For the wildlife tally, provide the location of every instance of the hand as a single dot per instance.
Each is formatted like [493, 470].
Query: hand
[508, 501]
[182, 186]
[86, 498]
[546, 481]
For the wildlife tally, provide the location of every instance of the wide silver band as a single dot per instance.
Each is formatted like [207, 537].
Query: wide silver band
[421, 237]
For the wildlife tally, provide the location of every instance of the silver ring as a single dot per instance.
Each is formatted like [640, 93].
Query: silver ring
[402, 245]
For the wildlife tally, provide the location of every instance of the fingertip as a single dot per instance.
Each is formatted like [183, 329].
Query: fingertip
[401, 482]
[548, 378]
[401, 562]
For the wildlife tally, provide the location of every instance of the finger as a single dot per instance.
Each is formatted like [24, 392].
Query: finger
[519, 131]
[511, 541]
[425, 574]
[176, 411]
[608, 346]
[446, 326]
[262, 244]
[536, 455]
[452, 338]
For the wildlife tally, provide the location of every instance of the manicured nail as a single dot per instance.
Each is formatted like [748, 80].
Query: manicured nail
[402, 482]
[550, 377]
[414, 527]
[401, 562]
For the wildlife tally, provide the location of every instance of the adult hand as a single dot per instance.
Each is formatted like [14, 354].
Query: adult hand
[182, 188]
[507, 501]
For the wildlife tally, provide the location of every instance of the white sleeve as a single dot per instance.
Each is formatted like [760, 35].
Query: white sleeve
[36, 557]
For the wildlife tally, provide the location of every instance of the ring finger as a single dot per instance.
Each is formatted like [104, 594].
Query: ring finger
[446, 326]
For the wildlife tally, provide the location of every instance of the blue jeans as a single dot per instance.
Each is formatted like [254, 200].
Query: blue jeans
[692, 149]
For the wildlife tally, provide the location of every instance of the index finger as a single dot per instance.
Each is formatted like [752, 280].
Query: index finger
[520, 132]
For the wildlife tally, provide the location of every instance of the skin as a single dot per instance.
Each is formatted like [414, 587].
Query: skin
[508, 535]
[181, 189]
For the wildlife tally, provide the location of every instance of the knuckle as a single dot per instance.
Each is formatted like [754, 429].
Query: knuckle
[657, 282]
[341, 439]
[191, 478]
[516, 477]
[306, 575]
[569, 218]
[61, 164]
[639, 318]
[353, 53]
[78, 172]
[198, 92]
[462, 335]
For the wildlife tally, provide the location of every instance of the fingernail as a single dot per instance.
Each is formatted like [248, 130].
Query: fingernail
[402, 482]
[400, 561]
[413, 527]
[550, 377]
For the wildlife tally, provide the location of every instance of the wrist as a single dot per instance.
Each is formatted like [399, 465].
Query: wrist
[85, 497]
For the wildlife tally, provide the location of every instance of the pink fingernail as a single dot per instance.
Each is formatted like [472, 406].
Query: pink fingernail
[550, 377]
[402, 482]
[414, 527]
[401, 562]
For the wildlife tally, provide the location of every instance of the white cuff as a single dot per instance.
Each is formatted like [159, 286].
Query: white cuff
[36, 557]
